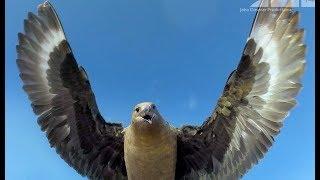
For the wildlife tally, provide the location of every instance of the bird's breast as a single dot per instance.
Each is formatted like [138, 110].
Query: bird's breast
[150, 157]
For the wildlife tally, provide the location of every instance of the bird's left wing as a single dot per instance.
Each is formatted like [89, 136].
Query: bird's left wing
[257, 97]
[61, 96]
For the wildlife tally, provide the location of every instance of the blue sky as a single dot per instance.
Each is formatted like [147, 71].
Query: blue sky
[176, 53]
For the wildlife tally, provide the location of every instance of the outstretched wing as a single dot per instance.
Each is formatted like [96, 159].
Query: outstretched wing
[61, 95]
[256, 99]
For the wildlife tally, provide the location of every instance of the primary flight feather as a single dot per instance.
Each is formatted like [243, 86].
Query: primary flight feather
[257, 97]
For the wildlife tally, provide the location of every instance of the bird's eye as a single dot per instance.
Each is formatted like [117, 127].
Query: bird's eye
[153, 106]
[137, 109]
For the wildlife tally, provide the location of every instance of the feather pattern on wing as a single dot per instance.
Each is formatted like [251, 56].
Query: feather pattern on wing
[61, 95]
[256, 99]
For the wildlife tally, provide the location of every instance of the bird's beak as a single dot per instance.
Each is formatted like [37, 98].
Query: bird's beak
[149, 121]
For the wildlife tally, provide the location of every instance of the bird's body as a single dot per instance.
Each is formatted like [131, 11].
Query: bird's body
[150, 155]
[149, 145]
[257, 97]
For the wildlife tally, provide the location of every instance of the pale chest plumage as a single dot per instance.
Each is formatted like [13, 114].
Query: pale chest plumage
[150, 157]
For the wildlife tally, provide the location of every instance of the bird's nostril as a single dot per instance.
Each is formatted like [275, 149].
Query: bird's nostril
[146, 117]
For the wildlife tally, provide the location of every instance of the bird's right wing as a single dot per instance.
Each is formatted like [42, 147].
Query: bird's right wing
[61, 96]
[256, 99]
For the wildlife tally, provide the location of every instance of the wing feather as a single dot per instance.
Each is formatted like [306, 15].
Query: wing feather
[61, 95]
[257, 97]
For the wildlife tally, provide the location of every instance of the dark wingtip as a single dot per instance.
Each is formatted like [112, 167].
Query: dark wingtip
[30, 15]
[21, 38]
[18, 48]
[45, 5]
[20, 35]
[83, 72]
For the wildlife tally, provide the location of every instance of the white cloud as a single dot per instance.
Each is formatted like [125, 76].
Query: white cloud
[192, 102]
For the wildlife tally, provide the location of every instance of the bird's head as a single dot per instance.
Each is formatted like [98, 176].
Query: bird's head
[145, 117]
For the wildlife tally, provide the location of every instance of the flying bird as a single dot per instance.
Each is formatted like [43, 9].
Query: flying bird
[256, 99]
